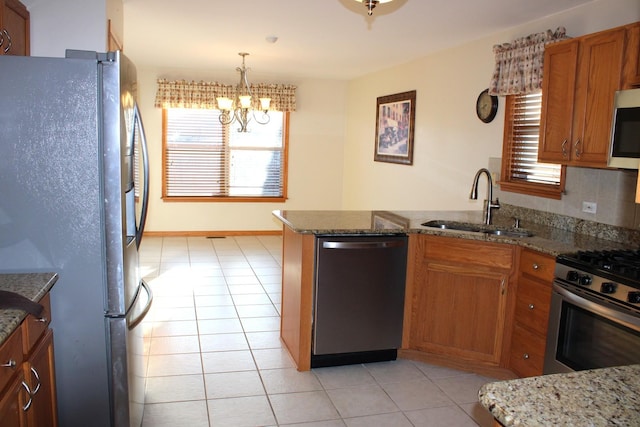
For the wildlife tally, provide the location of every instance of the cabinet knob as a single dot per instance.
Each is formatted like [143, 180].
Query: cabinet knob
[10, 364]
[525, 356]
[535, 266]
[564, 148]
[578, 149]
[531, 306]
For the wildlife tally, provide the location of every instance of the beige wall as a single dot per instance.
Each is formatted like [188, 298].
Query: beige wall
[451, 144]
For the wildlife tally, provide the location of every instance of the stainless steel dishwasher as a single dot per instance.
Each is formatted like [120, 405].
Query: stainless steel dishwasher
[358, 298]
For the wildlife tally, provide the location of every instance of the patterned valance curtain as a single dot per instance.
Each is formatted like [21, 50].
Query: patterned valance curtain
[518, 69]
[184, 94]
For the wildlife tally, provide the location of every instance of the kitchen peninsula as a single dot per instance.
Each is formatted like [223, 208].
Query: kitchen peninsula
[598, 397]
[494, 256]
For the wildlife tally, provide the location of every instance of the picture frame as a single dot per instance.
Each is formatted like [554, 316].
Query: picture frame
[395, 124]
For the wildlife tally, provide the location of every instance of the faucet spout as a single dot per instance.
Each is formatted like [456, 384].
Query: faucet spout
[489, 204]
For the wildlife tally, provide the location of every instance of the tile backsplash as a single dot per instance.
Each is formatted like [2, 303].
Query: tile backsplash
[612, 190]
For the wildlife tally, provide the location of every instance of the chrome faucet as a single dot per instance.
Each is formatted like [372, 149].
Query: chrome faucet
[488, 203]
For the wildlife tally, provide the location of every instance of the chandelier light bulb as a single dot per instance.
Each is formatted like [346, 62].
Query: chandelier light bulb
[371, 4]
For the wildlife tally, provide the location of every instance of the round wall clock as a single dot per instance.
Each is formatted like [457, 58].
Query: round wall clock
[486, 106]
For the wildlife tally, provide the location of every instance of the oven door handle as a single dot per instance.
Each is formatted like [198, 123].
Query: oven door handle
[600, 307]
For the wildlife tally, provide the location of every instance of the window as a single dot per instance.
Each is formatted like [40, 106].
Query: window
[521, 172]
[204, 160]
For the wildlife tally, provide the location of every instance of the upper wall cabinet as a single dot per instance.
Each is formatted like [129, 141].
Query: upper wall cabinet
[14, 28]
[581, 76]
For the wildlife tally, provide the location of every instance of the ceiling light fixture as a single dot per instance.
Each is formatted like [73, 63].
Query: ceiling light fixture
[239, 108]
[370, 4]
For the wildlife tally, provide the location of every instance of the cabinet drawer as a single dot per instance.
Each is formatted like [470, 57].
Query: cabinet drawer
[11, 356]
[33, 327]
[532, 304]
[527, 352]
[469, 252]
[537, 265]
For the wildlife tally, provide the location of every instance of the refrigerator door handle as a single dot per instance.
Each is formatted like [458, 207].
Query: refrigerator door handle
[135, 322]
[145, 172]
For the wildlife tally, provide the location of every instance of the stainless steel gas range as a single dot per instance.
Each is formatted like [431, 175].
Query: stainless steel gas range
[594, 320]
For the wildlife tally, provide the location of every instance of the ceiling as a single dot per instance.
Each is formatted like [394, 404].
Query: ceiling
[332, 39]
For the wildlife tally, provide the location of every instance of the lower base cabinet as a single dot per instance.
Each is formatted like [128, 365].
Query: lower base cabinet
[27, 356]
[460, 298]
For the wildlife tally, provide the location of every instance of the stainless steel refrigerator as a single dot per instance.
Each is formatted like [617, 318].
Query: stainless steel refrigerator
[70, 134]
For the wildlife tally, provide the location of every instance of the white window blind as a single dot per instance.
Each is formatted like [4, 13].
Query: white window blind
[523, 143]
[204, 158]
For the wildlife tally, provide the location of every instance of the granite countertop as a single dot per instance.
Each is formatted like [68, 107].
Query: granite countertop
[30, 285]
[552, 234]
[597, 397]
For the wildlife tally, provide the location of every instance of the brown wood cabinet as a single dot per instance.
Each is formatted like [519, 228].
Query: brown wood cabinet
[14, 28]
[533, 297]
[29, 399]
[580, 79]
[460, 294]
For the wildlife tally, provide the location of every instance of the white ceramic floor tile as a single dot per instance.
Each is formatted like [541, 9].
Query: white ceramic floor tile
[176, 414]
[289, 380]
[303, 407]
[396, 419]
[416, 394]
[262, 340]
[252, 411]
[223, 342]
[394, 371]
[251, 299]
[218, 312]
[462, 389]
[175, 388]
[362, 400]
[228, 361]
[233, 384]
[174, 364]
[343, 376]
[262, 310]
[273, 358]
[438, 417]
[261, 324]
[175, 345]
[179, 327]
[212, 301]
[219, 326]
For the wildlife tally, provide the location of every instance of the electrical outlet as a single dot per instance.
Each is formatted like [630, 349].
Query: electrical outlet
[589, 207]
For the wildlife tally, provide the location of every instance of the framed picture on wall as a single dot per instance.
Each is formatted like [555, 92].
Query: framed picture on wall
[395, 121]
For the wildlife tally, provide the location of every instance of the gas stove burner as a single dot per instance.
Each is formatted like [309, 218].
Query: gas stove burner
[618, 265]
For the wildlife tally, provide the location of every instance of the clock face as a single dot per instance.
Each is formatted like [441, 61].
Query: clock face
[486, 106]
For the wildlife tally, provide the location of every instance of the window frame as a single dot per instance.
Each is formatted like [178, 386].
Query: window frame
[520, 186]
[228, 199]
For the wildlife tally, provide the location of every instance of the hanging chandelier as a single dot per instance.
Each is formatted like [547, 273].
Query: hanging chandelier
[370, 4]
[241, 108]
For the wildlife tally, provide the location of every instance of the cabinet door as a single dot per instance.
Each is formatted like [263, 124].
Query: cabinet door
[39, 372]
[459, 311]
[12, 403]
[14, 24]
[558, 87]
[599, 76]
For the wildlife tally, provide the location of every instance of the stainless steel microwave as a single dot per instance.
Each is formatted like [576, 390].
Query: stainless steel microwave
[625, 130]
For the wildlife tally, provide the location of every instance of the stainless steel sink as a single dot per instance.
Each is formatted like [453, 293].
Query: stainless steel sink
[477, 228]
